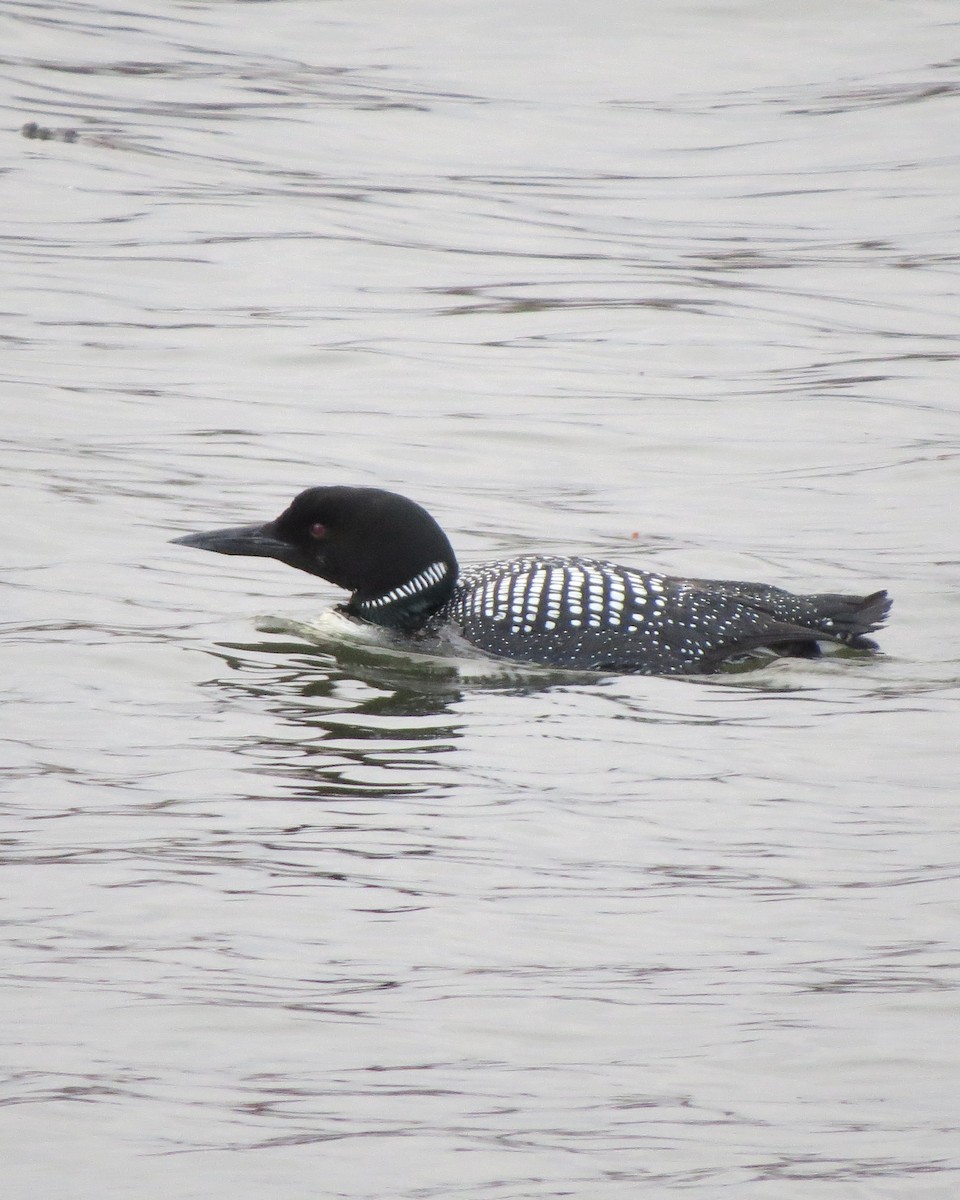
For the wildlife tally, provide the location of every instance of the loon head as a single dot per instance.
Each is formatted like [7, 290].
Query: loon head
[387, 551]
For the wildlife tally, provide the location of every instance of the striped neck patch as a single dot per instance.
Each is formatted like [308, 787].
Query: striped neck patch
[434, 574]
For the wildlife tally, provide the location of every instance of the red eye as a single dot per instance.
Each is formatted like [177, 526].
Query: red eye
[318, 531]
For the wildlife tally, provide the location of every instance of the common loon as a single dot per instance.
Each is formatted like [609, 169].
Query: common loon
[572, 613]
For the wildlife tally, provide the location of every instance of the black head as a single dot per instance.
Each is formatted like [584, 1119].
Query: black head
[383, 548]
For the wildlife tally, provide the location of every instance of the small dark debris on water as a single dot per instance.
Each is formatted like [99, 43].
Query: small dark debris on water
[45, 134]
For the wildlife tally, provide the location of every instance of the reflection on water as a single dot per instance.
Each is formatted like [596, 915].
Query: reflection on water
[674, 287]
[358, 733]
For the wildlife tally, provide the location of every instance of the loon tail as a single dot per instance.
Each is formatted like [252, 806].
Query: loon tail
[801, 623]
[849, 618]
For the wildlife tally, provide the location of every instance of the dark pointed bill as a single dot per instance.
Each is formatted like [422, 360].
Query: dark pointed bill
[256, 541]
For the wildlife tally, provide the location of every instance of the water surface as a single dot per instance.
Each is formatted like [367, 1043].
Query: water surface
[674, 284]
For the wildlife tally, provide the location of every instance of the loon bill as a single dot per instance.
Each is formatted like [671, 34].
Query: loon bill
[571, 613]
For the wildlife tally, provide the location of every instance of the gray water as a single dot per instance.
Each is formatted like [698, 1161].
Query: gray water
[676, 284]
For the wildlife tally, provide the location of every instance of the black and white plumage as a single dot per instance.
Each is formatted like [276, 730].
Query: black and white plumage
[571, 613]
